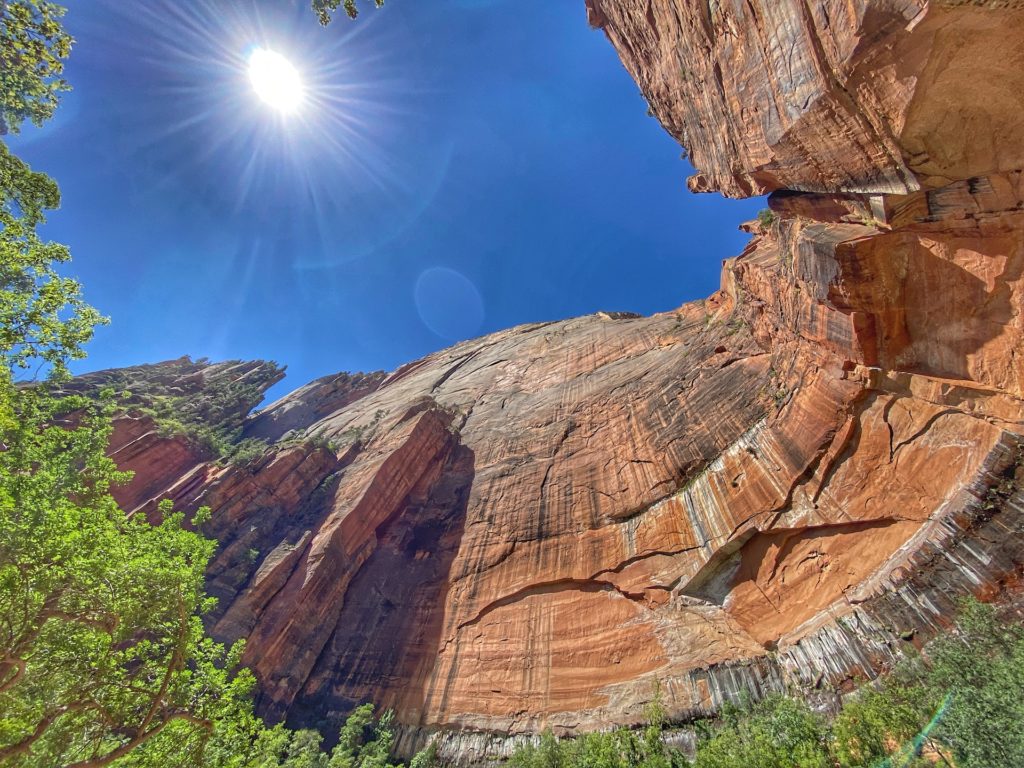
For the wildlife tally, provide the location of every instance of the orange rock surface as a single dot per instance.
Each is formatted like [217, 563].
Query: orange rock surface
[771, 487]
[869, 96]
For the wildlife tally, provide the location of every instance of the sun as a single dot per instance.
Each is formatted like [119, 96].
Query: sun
[275, 80]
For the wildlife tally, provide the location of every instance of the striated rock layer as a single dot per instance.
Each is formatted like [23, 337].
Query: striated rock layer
[783, 484]
[870, 96]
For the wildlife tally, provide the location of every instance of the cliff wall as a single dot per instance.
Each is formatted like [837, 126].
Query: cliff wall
[786, 483]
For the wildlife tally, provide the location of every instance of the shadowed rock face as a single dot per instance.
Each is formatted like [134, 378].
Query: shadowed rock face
[774, 486]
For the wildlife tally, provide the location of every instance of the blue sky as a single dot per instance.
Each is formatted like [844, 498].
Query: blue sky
[457, 167]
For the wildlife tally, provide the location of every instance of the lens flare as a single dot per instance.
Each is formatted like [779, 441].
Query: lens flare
[911, 751]
[275, 80]
[348, 115]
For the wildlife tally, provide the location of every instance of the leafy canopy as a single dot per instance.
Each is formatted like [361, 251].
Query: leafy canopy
[44, 321]
[33, 46]
[775, 733]
[325, 8]
[102, 653]
[103, 656]
[621, 748]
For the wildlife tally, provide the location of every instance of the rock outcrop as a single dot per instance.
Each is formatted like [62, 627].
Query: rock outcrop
[782, 484]
[867, 96]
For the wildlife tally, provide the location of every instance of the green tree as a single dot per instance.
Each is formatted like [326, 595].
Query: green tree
[102, 654]
[426, 757]
[24, 192]
[304, 751]
[43, 319]
[325, 8]
[363, 742]
[777, 732]
[548, 753]
[981, 669]
[33, 47]
[620, 748]
[878, 721]
[766, 217]
[963, 702]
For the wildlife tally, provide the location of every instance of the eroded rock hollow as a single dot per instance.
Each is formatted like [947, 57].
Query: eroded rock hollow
[783, 484]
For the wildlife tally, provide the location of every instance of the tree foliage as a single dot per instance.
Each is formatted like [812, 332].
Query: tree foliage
[33, 47]
[775, 733]
[878, 720]
[102, 652]
[103, 656]
[44, 322]
[325, 8]
[620, 748]
[981, 668]
[23, 191]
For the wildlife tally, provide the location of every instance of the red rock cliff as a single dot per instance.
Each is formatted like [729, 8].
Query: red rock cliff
[870, 96]
[779, 485]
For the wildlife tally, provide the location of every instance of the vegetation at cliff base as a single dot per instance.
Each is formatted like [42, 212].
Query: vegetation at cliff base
[960, 705]
[621, 748]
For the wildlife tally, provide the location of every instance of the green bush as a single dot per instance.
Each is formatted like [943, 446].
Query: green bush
[981, 669]
[621, 748]
[874, 721]
[777, 732]
[246, 451]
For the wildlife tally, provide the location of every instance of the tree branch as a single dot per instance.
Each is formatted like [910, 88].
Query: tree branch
[42, 726]
[140, 739]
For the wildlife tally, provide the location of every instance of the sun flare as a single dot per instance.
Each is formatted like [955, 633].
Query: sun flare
[275, 80]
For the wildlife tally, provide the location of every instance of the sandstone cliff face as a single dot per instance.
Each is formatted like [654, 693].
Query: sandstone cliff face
[865, 96]
[778, 485]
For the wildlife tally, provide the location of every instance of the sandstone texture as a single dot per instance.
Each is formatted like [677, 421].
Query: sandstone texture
[785, 484]
[869, 96]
